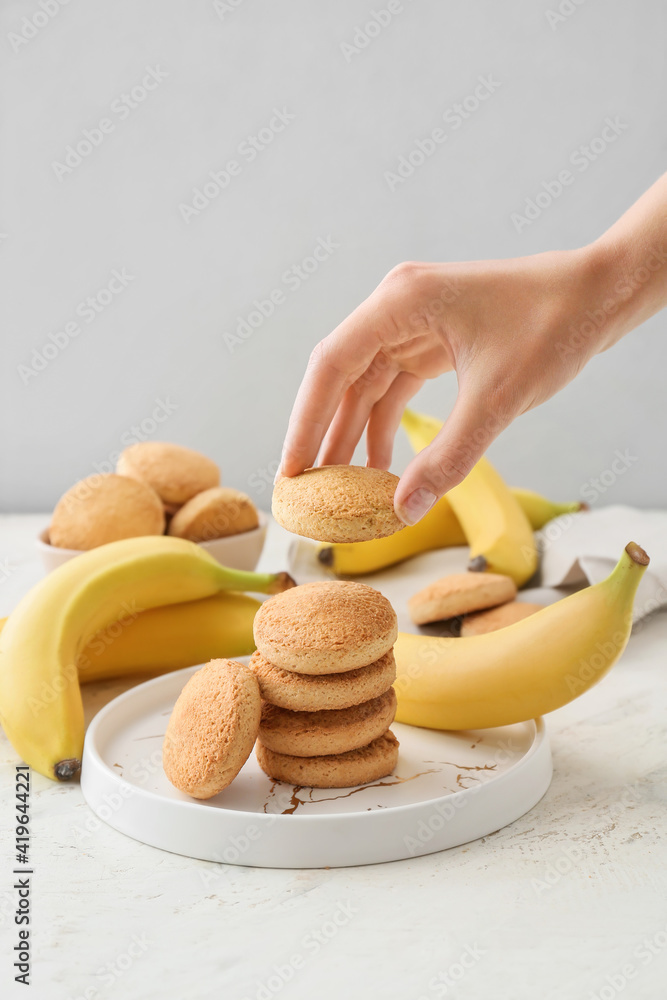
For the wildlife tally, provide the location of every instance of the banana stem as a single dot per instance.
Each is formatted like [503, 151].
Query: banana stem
[257, 583]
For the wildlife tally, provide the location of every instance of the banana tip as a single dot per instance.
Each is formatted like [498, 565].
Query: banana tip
[66, 769]
[637, 554]
[478, 565]
[325, 556]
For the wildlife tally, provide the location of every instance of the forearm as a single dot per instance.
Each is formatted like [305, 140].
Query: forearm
[628, 267]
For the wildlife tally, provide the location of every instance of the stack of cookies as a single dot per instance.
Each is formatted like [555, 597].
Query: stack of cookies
[325, 668]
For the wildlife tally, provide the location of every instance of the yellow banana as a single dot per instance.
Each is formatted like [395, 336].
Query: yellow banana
[498, 532]
[40, 700]
[439, 529]
[525, 669]
[171, 637]
[539, 510]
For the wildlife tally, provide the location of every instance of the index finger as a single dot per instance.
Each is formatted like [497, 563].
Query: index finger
[335, 363]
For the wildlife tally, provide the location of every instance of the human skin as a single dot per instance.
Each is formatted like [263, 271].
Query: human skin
[514, 331]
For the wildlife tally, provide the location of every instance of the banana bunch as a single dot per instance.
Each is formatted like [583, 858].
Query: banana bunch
[171, 637]
[524, 670]
[59, 628]
[497, 522]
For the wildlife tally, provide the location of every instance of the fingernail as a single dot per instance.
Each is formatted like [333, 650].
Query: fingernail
[417, 504]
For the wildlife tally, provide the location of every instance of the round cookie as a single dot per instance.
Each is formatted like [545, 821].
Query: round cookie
[215, 513]
[458, 594]
[212, 728]
[482, 622]
[357, 767]
[105, 508]
[312, 693]
[176, 473]
[315, 734]
[325, 627]
[338, 503]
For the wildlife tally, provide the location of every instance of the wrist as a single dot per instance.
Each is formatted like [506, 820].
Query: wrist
[624, 282]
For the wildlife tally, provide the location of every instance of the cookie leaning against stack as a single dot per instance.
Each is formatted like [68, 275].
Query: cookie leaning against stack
[325, 666]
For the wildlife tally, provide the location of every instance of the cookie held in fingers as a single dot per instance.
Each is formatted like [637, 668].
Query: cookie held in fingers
[325, 627]
[481, 622]
[331, 731]
[212, 729]
[176, 473]
[314, 692]
[356, 767]
[215, 513]
[459, 594]
[105, 508]
[338, 503]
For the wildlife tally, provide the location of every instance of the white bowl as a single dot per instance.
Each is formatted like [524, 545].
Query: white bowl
[236, 551]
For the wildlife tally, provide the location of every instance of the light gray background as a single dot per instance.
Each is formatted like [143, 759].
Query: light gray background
[163, 338]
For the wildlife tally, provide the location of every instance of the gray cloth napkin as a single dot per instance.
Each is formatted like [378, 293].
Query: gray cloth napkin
[577, 549]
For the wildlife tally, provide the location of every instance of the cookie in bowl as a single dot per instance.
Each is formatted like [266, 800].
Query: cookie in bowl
[175, 473]
[105, 508]
[215, 513]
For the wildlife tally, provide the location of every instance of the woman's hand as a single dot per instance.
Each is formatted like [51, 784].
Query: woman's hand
[513, 331]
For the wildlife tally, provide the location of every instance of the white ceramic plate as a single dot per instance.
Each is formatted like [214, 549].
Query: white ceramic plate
[448, 789]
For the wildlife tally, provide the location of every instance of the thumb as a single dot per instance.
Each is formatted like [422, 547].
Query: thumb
[469, 430]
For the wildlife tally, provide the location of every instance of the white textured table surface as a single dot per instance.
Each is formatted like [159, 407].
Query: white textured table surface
[568, 902]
